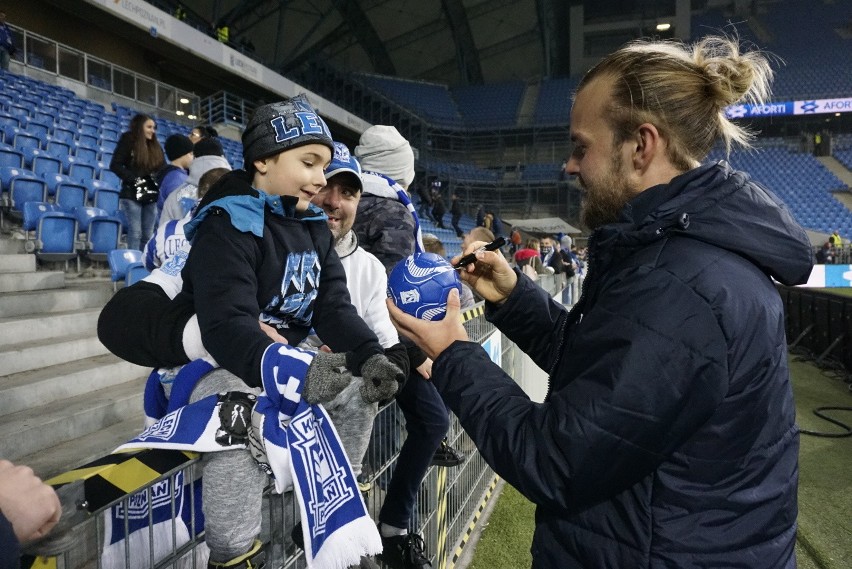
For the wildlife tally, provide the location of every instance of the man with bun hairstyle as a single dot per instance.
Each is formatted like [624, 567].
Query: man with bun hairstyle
[668, 435]
[259, 251]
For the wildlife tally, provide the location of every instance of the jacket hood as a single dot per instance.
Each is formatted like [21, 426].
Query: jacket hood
[723, 207]
[204, 164]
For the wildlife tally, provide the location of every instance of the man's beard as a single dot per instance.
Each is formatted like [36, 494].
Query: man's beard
[606, 196]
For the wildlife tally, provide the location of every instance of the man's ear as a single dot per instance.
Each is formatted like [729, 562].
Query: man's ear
[649, 144]
[260, 166]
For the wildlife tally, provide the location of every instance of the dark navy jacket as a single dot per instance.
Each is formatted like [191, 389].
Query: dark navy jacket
[668, 437]
[252, 257]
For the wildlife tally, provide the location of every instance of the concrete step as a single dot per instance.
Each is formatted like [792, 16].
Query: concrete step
[15, 263]
[33, 355]
[35, 429]
[75, 296]
[31, 389]
[74, 453]
[75, 323]
[41, 280]
[11, 246]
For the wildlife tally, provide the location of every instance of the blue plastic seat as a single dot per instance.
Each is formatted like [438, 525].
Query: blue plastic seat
[56, 237]
[11, 158]
[32, 212]
[135, 273]
[25, 189]
[102, 237]
[107, 199]
[43, 164]
[119, 260]
[70, 196]
[85, 214]
[53, 180]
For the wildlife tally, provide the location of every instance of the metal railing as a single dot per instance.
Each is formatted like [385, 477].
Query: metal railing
[52, 57]
[448, 500]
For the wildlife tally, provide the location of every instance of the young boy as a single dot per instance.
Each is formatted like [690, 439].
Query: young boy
[260, 251]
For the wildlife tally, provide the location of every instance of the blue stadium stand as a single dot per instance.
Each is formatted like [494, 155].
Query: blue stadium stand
[56, 237]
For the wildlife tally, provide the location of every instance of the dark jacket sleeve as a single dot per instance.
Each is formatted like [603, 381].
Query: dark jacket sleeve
[220, 278]
[121, 159]
[142, 325]
[10, 552]
[638, 376]
[335, 319]
[386, 231]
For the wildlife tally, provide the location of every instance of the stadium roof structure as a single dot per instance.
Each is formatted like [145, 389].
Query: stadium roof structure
[544, 226]
[454, 42]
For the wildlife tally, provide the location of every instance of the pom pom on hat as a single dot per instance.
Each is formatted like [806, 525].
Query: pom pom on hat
[382, 149]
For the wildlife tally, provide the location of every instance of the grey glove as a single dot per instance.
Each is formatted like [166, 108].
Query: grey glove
[382, 378]
[327, 376]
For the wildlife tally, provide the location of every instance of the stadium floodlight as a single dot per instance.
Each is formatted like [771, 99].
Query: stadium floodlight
[184, 101]
[663, 26]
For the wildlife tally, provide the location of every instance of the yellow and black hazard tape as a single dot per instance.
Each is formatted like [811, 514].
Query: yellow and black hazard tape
[116, 475]
[472, 525]
[441, 516]
[474, 312]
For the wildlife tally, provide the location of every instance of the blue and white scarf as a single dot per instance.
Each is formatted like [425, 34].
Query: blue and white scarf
[302, 448]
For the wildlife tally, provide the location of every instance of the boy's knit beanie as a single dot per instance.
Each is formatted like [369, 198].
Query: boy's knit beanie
[382, 149]
[280, 126]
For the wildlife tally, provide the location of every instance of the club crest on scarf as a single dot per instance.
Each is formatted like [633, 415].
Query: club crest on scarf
[299, 289]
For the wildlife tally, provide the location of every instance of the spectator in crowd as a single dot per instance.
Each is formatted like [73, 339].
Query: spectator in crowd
[528, 259]
[424, 209]
[253, 227]
[29, 509]
[468, 296]
[387, 227]
[207, 155]
[835, 239]
[137, 157]
[438, 207]
[169, 177]
[515, 241]
[488, 221]
[825, 254]
[572, 268]
[169, 238]
[496, 224]
[670, 406]
[202, 131]
[7, 43]
[550, 256]
[456, 213]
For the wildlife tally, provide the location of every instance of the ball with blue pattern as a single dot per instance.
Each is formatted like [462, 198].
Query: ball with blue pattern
[420, 285]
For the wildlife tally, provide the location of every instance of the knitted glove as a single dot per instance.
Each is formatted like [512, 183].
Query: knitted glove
[382, 378]
[326, 377]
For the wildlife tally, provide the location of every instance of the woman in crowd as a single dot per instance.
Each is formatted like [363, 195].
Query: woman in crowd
[137, 157]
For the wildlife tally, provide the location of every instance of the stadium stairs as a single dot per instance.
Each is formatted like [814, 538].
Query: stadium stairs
[64, 399]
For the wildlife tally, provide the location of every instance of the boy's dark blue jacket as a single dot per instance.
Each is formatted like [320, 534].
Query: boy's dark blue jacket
[252, 257]
[668, 437]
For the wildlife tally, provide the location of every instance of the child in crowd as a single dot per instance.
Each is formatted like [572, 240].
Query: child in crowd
[260, 251]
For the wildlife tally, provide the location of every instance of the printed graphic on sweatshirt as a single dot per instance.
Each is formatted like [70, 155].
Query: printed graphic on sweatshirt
[299, 289]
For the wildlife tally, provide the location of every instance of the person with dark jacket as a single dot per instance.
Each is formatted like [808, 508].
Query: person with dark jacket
[456, 213]
[137, 157]
[667, 437]
[260, 275]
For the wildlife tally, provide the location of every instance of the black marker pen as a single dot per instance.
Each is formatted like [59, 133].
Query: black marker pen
[471, 257]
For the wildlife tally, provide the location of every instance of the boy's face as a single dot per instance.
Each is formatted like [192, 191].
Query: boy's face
[297, 172]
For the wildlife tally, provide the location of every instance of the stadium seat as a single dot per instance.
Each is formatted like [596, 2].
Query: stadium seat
[11, 158]
[58, 149]
[70, 196]
[45, 164]
[119, 260]
[82, 171]
[25, 189]
[55, 238]
[103, 236]
[106, 199]
[85, 215]
[110, 177]
[53, 180]
[86, 153]
[135, 273]
[23, 140]
[32, 212]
